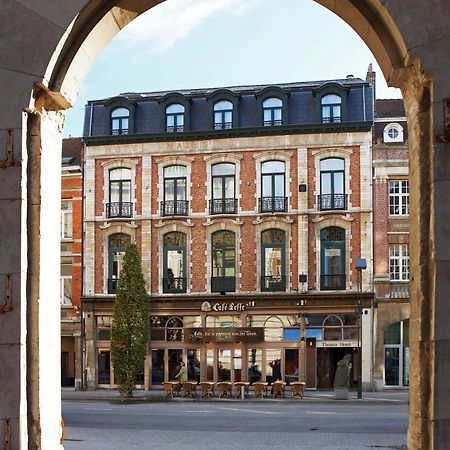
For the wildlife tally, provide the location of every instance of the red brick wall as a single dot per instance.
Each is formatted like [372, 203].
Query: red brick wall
[248, 185]
[355, 182]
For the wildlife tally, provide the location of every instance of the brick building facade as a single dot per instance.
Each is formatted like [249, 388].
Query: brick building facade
[250, 206]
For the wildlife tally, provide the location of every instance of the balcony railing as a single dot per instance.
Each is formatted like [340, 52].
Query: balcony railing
[174, 208]
[175, 129]
[223, 284]
[329, 202]
[331, 119]
[112, 285]
[332, 282]
[223, 125]
[273, 204]
[119, 209]
[273, 283]
[223, 206]
[399, 290]
[174, 285]
[272, 123]
[117, 131]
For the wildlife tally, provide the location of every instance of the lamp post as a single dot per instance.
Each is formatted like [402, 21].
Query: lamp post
[360, 264]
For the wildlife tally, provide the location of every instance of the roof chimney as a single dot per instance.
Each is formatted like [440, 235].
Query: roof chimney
[350, 76]
[370, 78]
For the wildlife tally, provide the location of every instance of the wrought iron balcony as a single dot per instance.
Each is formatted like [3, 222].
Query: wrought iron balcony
[112, 285]
[119, 209]
[399, 290]
[333, 282]
[174, 285]
[273, 204]
[223, 284]
[328, 202]
[272, 123]
[175, 129]
[331, 119]
[174, 208]
[273, 283]
[117, 131]
[223, 125]
[223, 206]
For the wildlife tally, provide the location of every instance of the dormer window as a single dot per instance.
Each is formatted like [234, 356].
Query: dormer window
[331, 108]
[120, 121]
[272, 112]
[393, 132]
[175, 118]
[223, 115]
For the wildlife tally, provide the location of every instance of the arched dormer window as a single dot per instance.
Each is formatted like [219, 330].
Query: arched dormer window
[175, 118]
[331, 108]
[223, 115]
[272, 112]
[120, 121]
[393, 133]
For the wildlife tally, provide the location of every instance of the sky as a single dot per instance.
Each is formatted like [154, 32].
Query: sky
[184, 44]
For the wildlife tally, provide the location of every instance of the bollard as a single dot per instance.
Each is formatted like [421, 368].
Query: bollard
[243, 392]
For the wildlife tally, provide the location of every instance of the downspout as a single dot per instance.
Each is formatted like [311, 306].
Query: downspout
[33, 283]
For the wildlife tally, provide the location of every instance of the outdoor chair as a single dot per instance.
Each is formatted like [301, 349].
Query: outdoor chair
[224, 388]
[190, 388]
[260, 388]
[238, 388]
[169, 389]
[278, 388]
[298, 388]
[207, 389]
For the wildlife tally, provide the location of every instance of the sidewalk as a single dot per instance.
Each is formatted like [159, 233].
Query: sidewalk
[157, 395]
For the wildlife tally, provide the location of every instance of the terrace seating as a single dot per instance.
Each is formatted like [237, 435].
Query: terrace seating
[169, 388]
[238, 388]
[260, 389]
[190, 388]
[298, 388]
[224, 388]
[207, 389]
[278, 388]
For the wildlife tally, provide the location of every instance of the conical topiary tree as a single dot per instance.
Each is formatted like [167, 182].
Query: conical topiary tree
[129, 334]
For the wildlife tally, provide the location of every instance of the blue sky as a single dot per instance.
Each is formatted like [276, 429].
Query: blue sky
[183, 44]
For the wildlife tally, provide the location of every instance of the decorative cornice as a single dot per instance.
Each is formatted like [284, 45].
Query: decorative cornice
[107, 225]
[163, 223]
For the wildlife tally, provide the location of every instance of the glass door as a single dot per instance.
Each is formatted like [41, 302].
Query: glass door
[157, 366]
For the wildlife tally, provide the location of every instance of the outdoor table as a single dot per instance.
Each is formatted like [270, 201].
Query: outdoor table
[260, 388]
[238, 388]
[224, 388]
[298, 388]
[207, 388]
[189, 387]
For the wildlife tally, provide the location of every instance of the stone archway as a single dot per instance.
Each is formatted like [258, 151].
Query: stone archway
[409, 40]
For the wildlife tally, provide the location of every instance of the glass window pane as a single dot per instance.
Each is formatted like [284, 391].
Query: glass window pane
[120, 112]
[267, 186]
[175, 108]
[392, 334]
[338, 179]
[223, 169]
[331, 99]
[254, 365]
[170, 120]
[273, 365]
[332, 164]
[272, 102]
[169, 190]
[273, 167]
[332, 261]
[175, 171]
[325, 183]
[175, 357]
[279, 185]
[224, 365]
[229, 187]
[175, 263]
[223, 105]
[217, 187]
[193, 366]
[181, 189]
[391, 366]
[277, 114]
[126, 191]
[273, 261]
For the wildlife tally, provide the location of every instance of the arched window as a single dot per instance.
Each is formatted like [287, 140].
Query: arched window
[393, 133]
[119, 121]
[174, 262]
[332, 328]
[175, 191]
[174, 329]
[273, 329]
[272, 112]
[273, 197]
[223, 262]
[223, 115]
[119, 204]
[331, 108]
[175, 118]
[223, 189]
[116, 252]
[332, 241]
[273, 260]
[332, 188]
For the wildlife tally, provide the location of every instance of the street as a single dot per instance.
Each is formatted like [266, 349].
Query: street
[268, 423]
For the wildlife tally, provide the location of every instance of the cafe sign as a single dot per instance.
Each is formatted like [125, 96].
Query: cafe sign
[227, 334]
[226, 307]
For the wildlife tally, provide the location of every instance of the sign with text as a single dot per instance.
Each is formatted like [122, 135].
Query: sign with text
[229, 334]
[336, 344]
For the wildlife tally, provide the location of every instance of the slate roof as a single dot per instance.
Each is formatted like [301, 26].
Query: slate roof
[72, 151]
[389, 108]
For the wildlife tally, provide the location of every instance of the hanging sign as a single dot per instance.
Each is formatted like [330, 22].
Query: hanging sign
[224, 334]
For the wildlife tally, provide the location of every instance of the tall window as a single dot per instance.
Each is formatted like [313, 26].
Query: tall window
[175, 118]
[273, 247]
[120, 121]
[399, 197]
[399, 262]
[223, 115]
[273, 187]
[223, 189]
[66, 281]
[66, 219]
[116, 252]
[175, 183]
[332, 193]
[223, 262]
[331, 108]
[174, 262]
[396, 354]
[119, 193]
[272, 112]
[332, 240]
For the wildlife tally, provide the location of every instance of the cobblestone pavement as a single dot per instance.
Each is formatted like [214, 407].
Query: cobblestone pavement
[99, 421]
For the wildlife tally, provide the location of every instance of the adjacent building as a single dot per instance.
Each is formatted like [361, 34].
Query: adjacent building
[252, 210]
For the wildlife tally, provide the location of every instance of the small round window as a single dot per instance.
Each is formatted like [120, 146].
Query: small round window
[393, 133]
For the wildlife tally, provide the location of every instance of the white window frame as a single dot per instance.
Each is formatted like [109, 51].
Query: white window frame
[65, 235]
[399, 199]
[388, 139]
[62, 297]
[399, 258]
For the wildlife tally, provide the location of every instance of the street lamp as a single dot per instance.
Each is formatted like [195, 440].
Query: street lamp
[360, 264]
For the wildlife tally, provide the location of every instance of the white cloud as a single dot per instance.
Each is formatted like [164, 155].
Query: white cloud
[161, 27]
